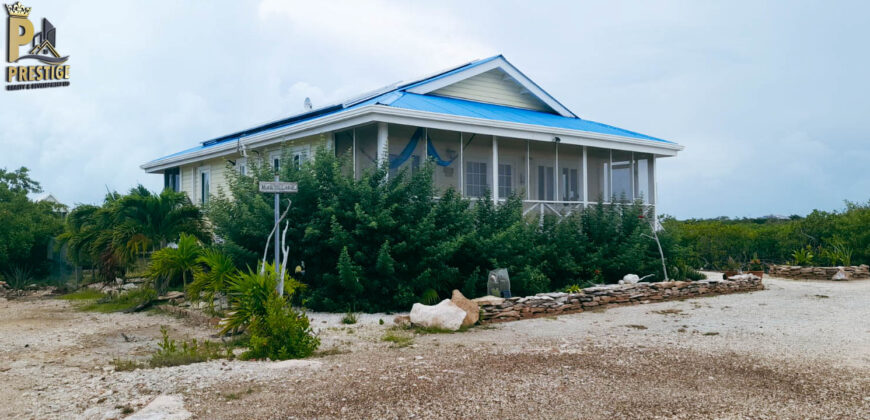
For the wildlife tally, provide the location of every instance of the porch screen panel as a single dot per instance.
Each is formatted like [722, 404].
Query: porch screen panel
[407, 146]
[621, 176]
[443, 151]
[599, 174]
[366, 149]
[512, 177]
[643, 177]
[542, 161]
[477, 164]
[344, 150]
[570, 172]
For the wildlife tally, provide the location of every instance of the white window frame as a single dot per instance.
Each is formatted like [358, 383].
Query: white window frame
[203, 196]
[476, 176]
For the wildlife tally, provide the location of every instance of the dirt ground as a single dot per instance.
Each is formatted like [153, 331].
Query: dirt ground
[795, 350]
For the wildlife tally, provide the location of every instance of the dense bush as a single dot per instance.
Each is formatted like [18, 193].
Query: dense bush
[820, 238]
[383, 243]
[26, 229]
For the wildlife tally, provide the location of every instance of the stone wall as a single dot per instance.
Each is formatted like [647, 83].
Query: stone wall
[546, 304]
[818, 273]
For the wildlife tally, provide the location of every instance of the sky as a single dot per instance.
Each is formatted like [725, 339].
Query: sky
[768, 98]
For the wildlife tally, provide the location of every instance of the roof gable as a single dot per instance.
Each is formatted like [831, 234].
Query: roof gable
[492, 80]
[494, 87]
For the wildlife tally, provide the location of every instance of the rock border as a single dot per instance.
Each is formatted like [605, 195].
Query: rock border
[854, 272]
[549, 304]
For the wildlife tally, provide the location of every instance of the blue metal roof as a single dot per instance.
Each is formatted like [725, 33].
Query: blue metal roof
[398, 97]
[465, 108]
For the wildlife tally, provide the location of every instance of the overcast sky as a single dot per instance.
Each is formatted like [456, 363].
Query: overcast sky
[770, 100]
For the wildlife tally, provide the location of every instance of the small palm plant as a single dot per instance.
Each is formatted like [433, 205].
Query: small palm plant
[169, 263]
[214, 278]
[248, 293]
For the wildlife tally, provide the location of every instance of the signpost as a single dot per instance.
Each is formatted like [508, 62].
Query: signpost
[278, 188]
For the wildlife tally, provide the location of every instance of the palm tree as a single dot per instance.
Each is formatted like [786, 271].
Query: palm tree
[168, 263]
[112, 236]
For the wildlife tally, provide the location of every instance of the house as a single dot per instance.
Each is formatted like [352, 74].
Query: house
[485, 124]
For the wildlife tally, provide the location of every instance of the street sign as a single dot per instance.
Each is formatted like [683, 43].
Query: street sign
[278, 187]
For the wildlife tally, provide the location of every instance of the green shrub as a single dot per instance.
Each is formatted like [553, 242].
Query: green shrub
[382, 243]
[398, 337]
[170, 353]
[349, 318]
[248, 293]
[282, 334]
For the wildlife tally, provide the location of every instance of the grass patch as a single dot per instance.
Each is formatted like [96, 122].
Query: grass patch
[123, 365]
[822, 296]
[349, 318]
[121, 302]
[398, 338]
[637, 327]
[84, 294]
[170, 353]
[711, 333]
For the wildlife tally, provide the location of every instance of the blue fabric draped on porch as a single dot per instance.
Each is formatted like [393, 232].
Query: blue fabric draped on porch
[412, 145]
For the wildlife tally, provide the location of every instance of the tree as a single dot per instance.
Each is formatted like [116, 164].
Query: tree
[111, 237]
[26, 227]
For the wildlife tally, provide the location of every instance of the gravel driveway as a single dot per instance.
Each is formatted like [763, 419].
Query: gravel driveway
[794, 350]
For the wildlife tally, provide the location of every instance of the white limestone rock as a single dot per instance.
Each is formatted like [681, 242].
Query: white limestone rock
[445, 315]
[629, 279]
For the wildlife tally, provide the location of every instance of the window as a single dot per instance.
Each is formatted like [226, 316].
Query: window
[505, 180]
[621, 176]
[545, 183]
[299, 155]
[172, 179]
[475, 179]
[242, 166]
[204, 184]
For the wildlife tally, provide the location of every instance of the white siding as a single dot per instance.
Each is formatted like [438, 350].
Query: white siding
[218, 167]
[494, 87]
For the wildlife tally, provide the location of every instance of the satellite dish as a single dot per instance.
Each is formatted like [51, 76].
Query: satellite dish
[307, 104]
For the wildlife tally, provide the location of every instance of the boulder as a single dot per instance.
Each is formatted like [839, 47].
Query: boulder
[840, 275]
[472, 311]
[488, 300]
[402, 320]
[629, 279]
[445, 315]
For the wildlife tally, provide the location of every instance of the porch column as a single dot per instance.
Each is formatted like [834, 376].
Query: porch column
[383, 145]
[556, 174]
[461, 166]
[495, 169]
[353, 153]
[528, 173]
[585, 167]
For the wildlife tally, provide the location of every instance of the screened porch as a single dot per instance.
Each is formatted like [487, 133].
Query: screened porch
[551, 177]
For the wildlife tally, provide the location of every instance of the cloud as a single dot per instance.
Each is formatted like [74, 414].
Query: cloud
[417, 34]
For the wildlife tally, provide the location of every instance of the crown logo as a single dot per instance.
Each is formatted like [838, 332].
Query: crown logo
[17, 10]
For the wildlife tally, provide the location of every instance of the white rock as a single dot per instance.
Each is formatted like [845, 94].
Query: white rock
[445, 315]
[488, 300]
[840, 275]
[630, 279]
[164, 407]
